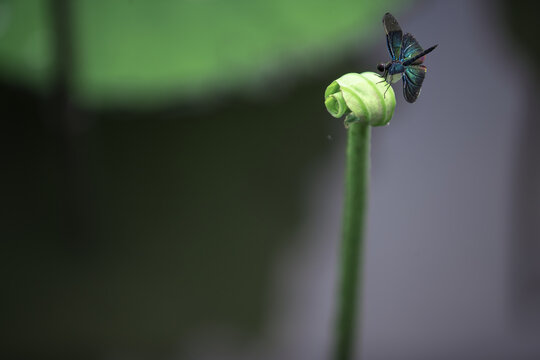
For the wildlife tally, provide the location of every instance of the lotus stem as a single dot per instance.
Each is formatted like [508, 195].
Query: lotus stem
[365, 101]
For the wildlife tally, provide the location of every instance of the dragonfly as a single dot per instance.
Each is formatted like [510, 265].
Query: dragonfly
[407, 58]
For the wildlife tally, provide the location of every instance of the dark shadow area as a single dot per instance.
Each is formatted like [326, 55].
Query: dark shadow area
[521, 17]
[186, 212]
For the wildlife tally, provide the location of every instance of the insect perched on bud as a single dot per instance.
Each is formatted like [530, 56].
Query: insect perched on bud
[407, 58]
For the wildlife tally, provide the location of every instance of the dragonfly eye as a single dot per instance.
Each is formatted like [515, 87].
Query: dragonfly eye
[380, 67]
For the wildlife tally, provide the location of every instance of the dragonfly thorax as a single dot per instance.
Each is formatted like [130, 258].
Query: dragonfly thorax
[392, 70]
[393, 78]
[396, 67]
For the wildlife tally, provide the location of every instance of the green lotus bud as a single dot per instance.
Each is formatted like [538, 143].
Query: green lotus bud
[362, 97]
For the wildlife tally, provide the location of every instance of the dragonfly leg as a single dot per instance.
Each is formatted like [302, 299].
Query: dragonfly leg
[383, 77]
[384, 95]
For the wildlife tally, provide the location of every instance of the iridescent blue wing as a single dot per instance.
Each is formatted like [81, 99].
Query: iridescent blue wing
[411, 48]
[394, 35]
[413, 77]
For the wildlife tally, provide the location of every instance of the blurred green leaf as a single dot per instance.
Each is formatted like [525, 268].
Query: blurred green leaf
[25, 41]
[136, 50]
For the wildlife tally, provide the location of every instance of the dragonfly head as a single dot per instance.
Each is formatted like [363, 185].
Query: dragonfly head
[383, 67]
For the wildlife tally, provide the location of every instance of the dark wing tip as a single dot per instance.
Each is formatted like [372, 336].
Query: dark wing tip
[412, 100]
[409, 94]
[388, 18]
[390, 23]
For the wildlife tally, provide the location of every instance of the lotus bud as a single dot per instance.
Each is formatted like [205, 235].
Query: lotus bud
[362, 97]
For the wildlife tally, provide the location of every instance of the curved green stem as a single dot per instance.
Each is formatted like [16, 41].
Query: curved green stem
[354, 220]
[362, 98]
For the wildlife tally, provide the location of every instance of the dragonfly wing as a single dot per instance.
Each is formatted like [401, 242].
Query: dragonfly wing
[411, 48]
[413, 77]
[394, 35]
